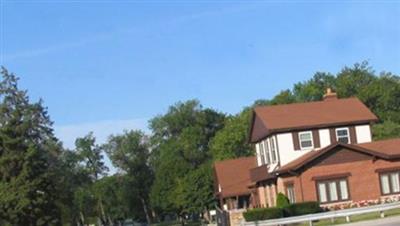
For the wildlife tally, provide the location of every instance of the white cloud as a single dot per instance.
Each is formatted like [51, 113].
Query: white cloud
[101, 130]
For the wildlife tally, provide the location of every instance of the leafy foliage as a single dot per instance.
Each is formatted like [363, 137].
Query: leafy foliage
[27, 183]
[231, 141]
[130, 153]
[281, 200]
[289, 210]
[263, 214]
[166, 174]
[181, 149]
[302, 208]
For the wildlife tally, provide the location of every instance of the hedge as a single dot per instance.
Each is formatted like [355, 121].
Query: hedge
[302, 208]
[263, 214]
[295, 209]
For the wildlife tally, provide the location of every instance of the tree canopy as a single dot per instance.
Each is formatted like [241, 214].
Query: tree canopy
[167, 173]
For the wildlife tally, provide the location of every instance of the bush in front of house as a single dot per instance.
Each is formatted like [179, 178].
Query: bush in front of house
[290, 210]
[302, 208]
[263, 214]
[282, 201]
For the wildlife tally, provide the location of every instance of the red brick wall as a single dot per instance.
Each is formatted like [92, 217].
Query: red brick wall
[363, 182]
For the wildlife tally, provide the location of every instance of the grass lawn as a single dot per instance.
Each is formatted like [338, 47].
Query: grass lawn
[354, 218]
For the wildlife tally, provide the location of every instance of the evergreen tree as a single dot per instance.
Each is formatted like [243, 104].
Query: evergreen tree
[27, 158]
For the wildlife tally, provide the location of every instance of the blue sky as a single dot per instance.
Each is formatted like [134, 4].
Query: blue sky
[105, 66]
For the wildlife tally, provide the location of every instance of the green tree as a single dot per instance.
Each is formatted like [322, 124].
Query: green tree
[113, 191]
[232, 140]
[91, 156]
[28, 191]
[91, 160]
[180, 145]
[313, 89]
[386, 130]
[72, 179]
[195, 191]
[130, 153]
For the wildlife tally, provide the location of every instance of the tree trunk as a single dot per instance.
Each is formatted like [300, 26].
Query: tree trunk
[146, 212]
[110, 222]
[207, 215]
[102, 213]
[182, 220]
[82, 218]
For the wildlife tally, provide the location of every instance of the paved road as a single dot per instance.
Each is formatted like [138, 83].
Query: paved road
[389, 221]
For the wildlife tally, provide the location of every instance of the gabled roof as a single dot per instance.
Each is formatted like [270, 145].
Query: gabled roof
[233, 176]
[288, 117]
[389, 147]
[385, 149]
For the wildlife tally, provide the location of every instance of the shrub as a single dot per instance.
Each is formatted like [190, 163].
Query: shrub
[282, 201]
[263, 214]
[302, 208]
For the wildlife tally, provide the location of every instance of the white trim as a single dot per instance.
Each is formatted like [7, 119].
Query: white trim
[275, 149]
[258, 156]
[348, 133]
[267, 151]
[262, 153]
[312, 140]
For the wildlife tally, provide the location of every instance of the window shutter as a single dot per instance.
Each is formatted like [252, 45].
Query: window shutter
[296, 142]
[333, 135]
[353, 136]
[315, 134]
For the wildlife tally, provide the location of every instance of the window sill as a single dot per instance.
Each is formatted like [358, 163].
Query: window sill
[306, 149]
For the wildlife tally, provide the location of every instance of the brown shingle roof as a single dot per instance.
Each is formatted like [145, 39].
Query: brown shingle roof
[390, 147]
[233, 175]
[282, 118]
[385, 149]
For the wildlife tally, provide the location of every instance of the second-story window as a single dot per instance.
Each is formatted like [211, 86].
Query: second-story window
[273, 149]
[261, 150]
[266, 148]
[306, 140]
[342, 135]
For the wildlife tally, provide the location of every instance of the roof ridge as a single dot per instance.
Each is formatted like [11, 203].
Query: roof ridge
[306, 102]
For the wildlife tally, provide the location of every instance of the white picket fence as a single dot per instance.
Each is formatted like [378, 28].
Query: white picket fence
[347, 213]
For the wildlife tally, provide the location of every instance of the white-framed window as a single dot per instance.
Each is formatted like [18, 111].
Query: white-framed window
[333, 190]
[273, 150]
[306, 140]
[343, 135]
[261, 149]
[390, 183]
[290, 193]
[266, 148]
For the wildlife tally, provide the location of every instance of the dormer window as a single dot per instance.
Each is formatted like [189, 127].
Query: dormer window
[306, 140]
[342, 135]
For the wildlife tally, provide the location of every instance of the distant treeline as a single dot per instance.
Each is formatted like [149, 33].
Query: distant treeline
[167, 174]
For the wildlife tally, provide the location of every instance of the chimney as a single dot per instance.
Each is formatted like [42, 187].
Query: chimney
[330, 95]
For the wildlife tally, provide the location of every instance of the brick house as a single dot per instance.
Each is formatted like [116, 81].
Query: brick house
[231, 179]
[321, 151]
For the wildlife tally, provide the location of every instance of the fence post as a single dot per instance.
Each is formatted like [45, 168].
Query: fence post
[347, 218]
[310, 223]
[382, 214]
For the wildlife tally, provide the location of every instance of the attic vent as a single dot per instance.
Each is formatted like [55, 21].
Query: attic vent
[330, 95]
